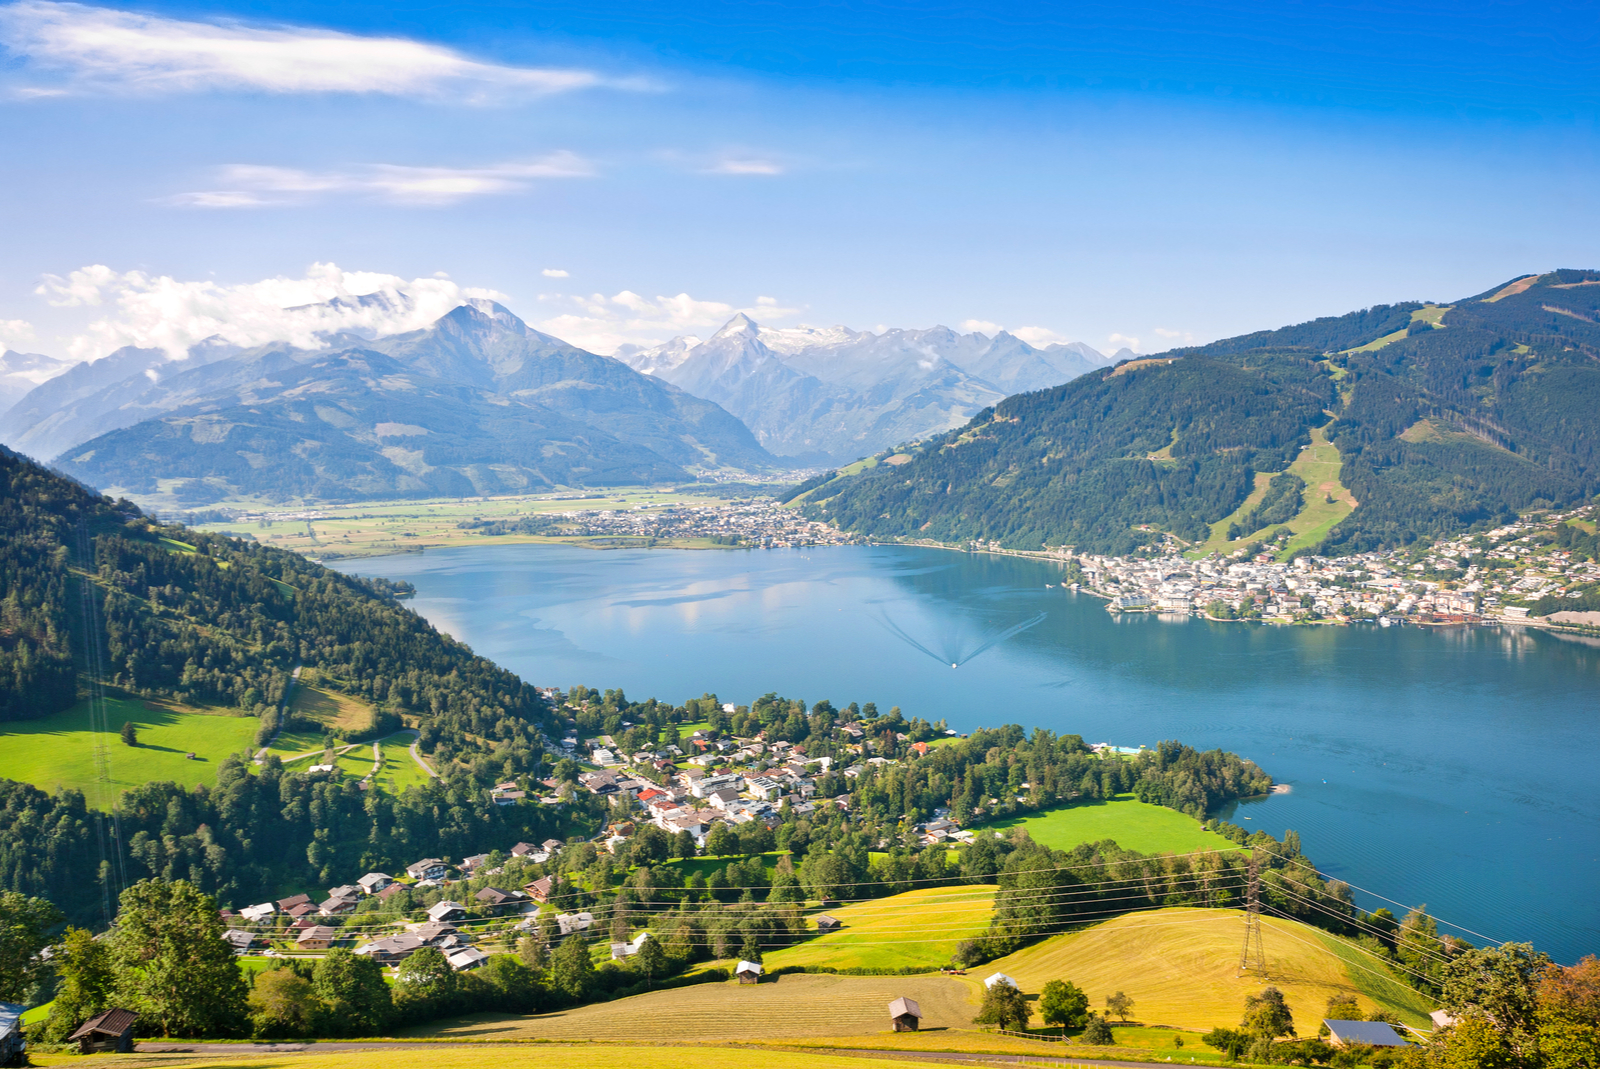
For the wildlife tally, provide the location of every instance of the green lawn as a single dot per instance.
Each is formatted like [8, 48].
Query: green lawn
[59, 749]
[399, 770]
[918, 929]
[1135, 825]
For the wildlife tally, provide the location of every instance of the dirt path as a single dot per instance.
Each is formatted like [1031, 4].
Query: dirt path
[416, 752]
[283, 718]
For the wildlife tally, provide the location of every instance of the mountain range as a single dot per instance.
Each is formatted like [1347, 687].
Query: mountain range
[1446, 417]
[476, 403]
[21, 373]
[834, 394]
[481, 403]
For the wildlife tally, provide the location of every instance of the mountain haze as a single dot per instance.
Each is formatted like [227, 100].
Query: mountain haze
[22, 373]
[1445, 417]
[836, 393]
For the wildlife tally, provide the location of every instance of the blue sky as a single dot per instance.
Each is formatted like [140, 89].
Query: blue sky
[1100, 173]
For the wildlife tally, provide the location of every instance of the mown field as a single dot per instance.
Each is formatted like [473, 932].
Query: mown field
[1181, 968]
[918, 929]
[540, 1056]
[1132, 1042]
[797, 1005]
[59, 749]
[1135, 825]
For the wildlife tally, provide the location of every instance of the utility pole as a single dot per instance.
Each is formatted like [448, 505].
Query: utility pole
[1253, 955]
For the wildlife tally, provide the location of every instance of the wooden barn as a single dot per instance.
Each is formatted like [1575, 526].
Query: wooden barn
[826, 923]
[748, 972]
[108, 1031]
[905, 1014]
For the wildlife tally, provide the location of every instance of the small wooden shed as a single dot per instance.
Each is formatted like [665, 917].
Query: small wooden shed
[826, 923]
[108, 1031]
[748, 972]
[905, 1014]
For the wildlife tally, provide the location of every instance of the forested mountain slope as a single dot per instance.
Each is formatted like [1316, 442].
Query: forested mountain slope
[1445, 417]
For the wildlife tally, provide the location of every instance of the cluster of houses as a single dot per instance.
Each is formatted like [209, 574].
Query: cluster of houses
[1385, 585]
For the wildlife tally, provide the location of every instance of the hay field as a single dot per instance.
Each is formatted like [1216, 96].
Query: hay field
[917, 929]
[1135, 825]
[334, 710]
[1180, 967]
[59, 749]
[541, 1056]
[798, 1005]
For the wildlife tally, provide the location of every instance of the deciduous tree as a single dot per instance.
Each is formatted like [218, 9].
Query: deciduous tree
[172, 965]
[1064, 1003]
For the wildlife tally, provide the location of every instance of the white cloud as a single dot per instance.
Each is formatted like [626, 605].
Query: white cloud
[554, 272]
[980, 326]
[14, 332]
[1039, 337]
[1185, 336]
[99, 48]
[160, 312]
[602, 324]
[1118, 341]
[256, 186]
[745, 166]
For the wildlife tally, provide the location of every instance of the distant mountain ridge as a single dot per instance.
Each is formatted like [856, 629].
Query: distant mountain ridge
[834, 393]
[1445, 417]
[496, 407]
[22, 373]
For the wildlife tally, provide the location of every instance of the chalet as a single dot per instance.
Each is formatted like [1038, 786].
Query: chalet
[498, 899]
[261, 913]
[318, 937]
[108, 1031]
[512, 797]
[466, 959]
[470, 865]
[524, 849]
[337, 907]
[433, 933]
[286, 904]
[373, 882]
[394, 948]
[598, 782]
[1371, 1033]
[304, 909]
[446, 911]
[348, 890]
[905, 1015]
[539, 890]
[552, 846]
[429, 868]
[826, 923]
[1000, 978]
[723, 797]
[620, 951]
[390, 891]
[239, 939]
[573, 922]
[13, 1043]
[748, 972]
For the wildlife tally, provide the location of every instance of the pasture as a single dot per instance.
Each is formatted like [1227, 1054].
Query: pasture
[1135, 825]
[1318, 464]
[918, 929]
[1181, 968]
[58, 750]
[798, 1005]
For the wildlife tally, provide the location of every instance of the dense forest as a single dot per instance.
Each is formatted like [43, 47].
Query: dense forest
[1441, 428]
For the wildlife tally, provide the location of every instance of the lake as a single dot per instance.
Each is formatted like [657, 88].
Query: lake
[1454, 767]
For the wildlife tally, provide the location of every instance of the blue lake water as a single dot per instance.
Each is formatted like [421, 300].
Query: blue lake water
[1453, 767]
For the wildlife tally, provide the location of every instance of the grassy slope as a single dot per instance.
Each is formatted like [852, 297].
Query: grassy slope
[328, 707]
[1181, 968]
[798, 1005]
[1318, 464]
[59, 749]
[1135, 825]
[917, 929]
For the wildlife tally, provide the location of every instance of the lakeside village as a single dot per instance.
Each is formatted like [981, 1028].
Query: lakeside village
[1492, 577]
[707, 792]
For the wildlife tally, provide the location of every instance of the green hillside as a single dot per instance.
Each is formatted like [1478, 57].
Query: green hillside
[1443, 417]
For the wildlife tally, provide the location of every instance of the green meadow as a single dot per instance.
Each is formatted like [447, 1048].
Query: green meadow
[1135, 825]
[917, 929]
[59, 750]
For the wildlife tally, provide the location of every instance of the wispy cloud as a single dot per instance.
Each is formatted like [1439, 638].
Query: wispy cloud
[745, 165]
[98, 48]
[1183, 336]
[980, 326]
[161, 312]
[255, 186]
[1119, 341]
[554, 272]
[14, 332]
[604, 324]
